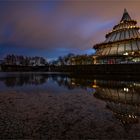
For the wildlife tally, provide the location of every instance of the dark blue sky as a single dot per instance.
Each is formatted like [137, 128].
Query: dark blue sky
[58, 27]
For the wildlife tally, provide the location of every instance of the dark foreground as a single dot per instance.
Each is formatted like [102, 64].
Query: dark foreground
[63, 116]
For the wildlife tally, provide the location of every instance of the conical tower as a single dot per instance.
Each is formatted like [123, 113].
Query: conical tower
[121, 45]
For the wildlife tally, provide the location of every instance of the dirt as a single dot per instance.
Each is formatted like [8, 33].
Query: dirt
[63, 116]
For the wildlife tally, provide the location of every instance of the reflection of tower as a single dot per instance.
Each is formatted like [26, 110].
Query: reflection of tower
[123, 100]
[126, 114]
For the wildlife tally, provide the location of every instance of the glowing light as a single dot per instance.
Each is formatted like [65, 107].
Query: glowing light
[73, 83]
[126, 89]
[126, 53]
[94, 86]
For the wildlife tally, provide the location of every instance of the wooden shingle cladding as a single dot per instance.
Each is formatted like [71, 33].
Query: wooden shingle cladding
[124, 38]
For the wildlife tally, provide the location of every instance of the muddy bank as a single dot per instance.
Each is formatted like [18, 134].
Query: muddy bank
[62, 116]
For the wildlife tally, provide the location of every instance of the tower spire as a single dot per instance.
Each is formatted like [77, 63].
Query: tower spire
[125, 11]
[125, 16]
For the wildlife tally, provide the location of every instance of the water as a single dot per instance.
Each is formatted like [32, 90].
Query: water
[42, 82]
[119, 100]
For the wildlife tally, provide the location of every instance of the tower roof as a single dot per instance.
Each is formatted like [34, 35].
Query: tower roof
[125, 16]
[123, 38]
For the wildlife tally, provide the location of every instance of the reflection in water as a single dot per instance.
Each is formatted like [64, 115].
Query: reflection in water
[122, 98]
[71, 82]
[13, 80]
[23, 79]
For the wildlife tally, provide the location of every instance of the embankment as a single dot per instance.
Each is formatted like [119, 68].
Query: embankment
[16, 68]
[121, 69]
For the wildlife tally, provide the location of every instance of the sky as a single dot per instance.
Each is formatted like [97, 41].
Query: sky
[53, 28]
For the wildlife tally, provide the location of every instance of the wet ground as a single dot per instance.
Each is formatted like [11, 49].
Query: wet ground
[61, 107]
[63, 116]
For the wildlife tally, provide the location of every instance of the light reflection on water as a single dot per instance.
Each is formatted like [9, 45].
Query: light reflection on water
[122, 97]
[43, 82]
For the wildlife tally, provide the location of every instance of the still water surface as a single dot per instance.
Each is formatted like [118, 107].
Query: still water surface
[122, 98]
[42, 82]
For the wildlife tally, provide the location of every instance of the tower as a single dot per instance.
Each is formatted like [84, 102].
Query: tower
[122, 44]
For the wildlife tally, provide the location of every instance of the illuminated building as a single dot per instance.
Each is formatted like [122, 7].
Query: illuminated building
[122, 44]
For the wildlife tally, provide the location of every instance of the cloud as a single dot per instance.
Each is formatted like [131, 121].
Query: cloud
[54, 25]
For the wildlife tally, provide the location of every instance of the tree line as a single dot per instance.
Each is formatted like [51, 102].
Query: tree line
[72, 59]
[12, 59]
[69, 59]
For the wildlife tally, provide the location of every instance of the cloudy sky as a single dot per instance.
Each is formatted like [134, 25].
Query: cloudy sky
[57, 27]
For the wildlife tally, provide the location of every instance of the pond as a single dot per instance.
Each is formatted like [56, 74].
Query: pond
[101, 108]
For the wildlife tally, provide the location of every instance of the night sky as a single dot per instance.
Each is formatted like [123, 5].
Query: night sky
[57, 27]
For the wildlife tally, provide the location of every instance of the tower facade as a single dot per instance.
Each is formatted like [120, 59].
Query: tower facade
[122, 44]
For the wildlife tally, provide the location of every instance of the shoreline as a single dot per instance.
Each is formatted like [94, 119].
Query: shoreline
[117, 77]
[100, 69]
